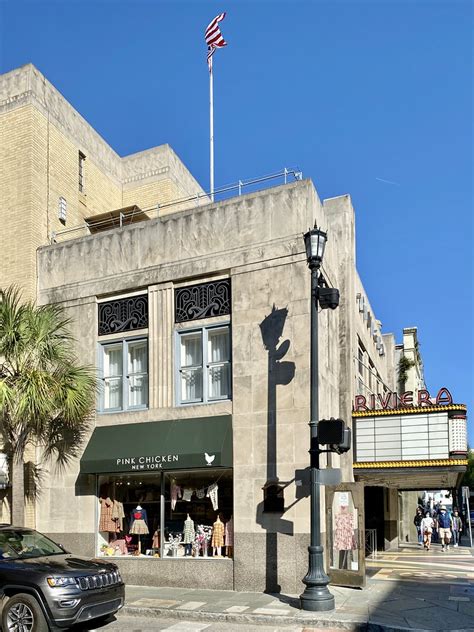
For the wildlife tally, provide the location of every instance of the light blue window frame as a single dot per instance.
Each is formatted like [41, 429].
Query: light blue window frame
[124, 342]
[205, 364]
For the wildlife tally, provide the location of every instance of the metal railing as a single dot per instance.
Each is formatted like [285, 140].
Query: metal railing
[199, 199]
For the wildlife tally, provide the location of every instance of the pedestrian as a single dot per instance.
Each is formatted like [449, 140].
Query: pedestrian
[427, 524]
[417, 522]
[444, 528]
[456, 527]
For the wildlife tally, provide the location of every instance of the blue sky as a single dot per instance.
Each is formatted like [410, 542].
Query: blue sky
[353, 93]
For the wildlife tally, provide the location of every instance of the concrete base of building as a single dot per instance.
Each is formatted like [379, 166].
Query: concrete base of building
[263, 562]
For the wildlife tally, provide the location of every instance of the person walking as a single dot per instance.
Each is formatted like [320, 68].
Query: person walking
[456, 527]
[417, 522]
[444, 528]
[427, 524]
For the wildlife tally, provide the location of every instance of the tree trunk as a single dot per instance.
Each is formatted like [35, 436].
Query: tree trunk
[18, 492]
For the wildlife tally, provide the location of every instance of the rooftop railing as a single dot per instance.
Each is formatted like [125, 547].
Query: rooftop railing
[200, 198]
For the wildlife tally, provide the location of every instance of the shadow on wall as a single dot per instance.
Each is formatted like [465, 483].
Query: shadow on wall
[271, 509]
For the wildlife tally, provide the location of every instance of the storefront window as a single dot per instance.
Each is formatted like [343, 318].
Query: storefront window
[192, 509]
[344, 553]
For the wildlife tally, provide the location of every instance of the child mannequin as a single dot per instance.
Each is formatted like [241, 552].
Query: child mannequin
[188, 535]
[217, 541]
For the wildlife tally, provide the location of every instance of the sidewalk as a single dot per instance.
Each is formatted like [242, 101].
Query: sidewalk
[407, 590]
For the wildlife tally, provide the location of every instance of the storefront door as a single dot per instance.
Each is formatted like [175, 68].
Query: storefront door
[345, 535]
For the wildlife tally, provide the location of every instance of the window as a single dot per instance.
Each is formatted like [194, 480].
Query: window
[204, 365]
[361, 361]
[62, 208]
[82, 160]
[124, 374]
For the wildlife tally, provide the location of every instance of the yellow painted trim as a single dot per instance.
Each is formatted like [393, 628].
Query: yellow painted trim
[404, 411]
[390, 464]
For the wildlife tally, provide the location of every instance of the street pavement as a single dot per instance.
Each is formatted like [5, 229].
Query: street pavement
[146, 624]
[409, 589]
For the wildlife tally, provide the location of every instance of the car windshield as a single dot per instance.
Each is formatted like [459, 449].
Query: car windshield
[26, 543]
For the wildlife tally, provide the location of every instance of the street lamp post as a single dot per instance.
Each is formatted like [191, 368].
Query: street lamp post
[316, 595]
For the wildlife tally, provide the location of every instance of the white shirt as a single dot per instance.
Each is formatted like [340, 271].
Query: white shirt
[427, 524]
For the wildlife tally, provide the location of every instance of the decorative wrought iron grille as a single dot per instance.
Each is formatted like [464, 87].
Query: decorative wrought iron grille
[202, 301]
[123, 314]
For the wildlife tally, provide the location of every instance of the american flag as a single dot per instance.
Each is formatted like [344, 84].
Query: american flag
[214, 38]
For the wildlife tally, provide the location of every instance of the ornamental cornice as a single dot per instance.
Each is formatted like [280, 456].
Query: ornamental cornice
[405, 464]
[408, 411]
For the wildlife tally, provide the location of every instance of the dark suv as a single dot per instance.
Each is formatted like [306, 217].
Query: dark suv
[43, 587]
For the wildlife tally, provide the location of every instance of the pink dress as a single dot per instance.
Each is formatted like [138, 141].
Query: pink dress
[344, 532]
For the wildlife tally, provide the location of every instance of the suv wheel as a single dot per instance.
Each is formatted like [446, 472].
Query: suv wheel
[22, 613]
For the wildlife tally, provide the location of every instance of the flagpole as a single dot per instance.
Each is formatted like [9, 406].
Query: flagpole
[211, 127]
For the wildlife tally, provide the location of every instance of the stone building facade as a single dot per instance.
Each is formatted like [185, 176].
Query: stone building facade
[255, 243]
[56, 171]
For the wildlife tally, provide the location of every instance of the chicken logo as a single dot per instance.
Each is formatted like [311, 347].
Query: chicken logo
[209, 458]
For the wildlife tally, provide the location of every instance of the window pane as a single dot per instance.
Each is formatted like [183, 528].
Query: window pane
[112, 392]
[191, 350]
[113, 360]
[138, 390]
[137, 357]
[218, 345]
[137, 373]
[191, 385]
[219, 382]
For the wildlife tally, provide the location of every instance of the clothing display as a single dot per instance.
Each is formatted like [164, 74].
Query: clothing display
[155, 543]
[142, 513]
[212, 494]
[344, 531]
[119, 546]
[139, 522]
[187, 494]
[118, 514]
[188, 532]
[176, 493]
[106, 521]
[217, 539]
[229, 533]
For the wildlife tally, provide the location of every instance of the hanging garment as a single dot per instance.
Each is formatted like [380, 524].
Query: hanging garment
[106, 522]
[200, 493]
[176, 493]
[187, 493]
[155, 543]
[189, 533]
[229, 533]
[212, 494]
[217, 534]
[344, 532]
[118, 514]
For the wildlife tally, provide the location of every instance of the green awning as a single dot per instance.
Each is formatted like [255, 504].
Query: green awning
[160, 445]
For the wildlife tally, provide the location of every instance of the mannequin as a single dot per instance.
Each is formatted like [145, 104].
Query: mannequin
[229, 537]
[188, 535]
[217, 540]
[139, 524]
[344, 535]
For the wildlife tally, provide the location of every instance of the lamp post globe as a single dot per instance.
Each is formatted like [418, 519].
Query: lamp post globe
[316, 596]
[315, 243]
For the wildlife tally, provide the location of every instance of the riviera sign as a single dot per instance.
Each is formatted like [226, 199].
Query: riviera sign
[392, 401]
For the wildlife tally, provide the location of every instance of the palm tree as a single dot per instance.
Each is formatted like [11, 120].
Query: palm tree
[46, 398]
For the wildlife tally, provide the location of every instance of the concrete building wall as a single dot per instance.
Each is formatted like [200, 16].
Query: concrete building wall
[256, 240]
[415, 378]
